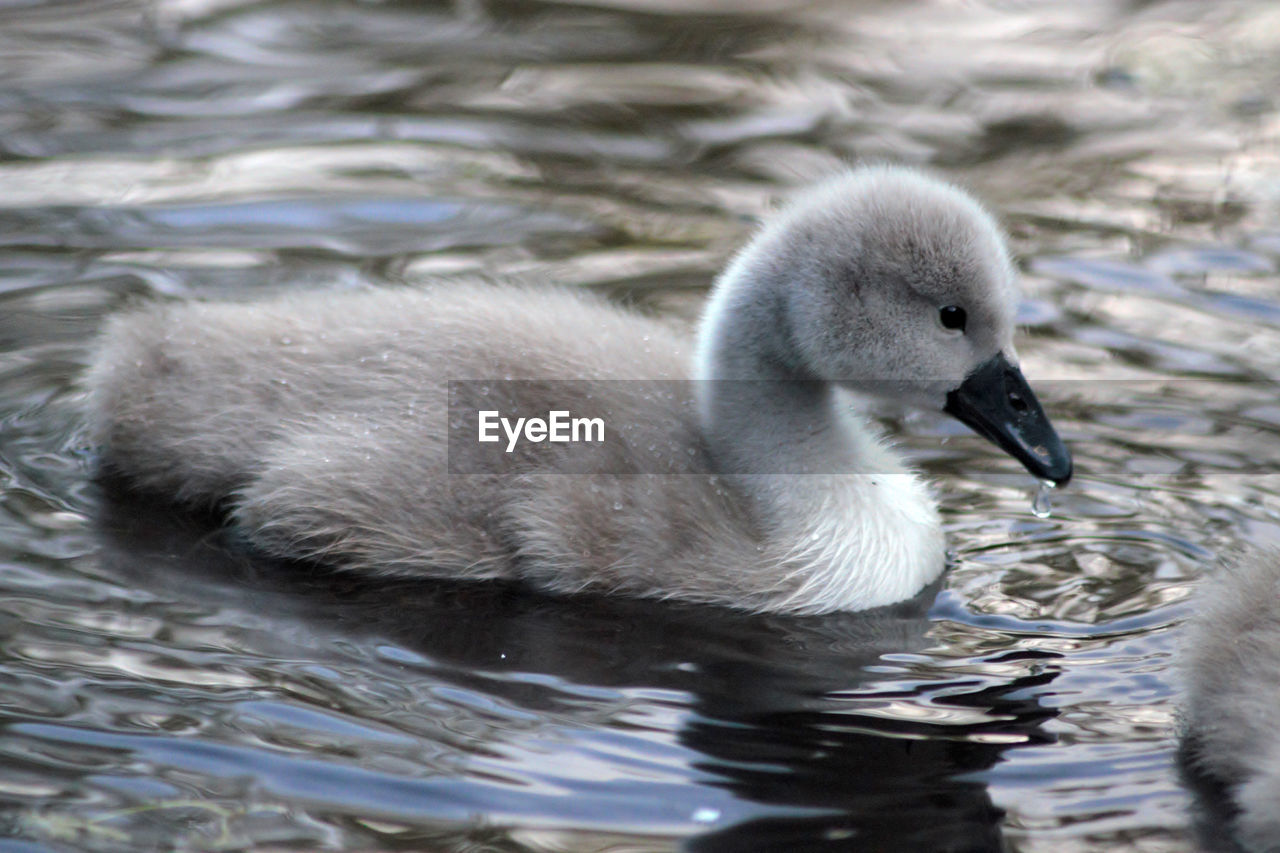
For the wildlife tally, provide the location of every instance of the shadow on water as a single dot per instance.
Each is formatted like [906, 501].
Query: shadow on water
[763, 712]
[1212, 812]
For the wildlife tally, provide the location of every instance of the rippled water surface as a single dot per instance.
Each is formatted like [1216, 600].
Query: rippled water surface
[159, 688]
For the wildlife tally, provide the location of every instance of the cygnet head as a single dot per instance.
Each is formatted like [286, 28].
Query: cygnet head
[885, 281]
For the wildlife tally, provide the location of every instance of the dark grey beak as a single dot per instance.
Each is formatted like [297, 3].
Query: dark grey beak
[996, 403]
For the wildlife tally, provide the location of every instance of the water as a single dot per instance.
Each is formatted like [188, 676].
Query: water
[162, 689]
[1042, 503]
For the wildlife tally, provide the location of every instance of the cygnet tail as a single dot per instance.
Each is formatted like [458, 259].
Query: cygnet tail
[167, 408]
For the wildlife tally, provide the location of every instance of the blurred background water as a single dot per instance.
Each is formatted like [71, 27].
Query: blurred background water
[161, 690]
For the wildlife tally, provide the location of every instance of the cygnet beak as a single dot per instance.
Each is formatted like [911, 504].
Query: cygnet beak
[996, 402]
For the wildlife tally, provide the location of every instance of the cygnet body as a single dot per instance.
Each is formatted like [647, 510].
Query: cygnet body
[322, 421]
[1231, 665]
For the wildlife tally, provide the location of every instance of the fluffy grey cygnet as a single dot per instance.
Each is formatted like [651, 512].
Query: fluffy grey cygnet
[1231, 665]
[320, 421]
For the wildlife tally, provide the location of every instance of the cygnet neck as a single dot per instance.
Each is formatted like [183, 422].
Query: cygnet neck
[763, 412]
[853, 523]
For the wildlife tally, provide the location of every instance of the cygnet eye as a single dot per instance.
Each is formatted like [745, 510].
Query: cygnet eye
[952, 317]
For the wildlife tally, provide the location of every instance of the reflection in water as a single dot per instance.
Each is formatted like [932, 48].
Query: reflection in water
[885, 785]
[1212, 812]
[763, 708]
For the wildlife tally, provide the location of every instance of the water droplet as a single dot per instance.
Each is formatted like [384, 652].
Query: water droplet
[1040, 505]
[706, 815]
[617, 506]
